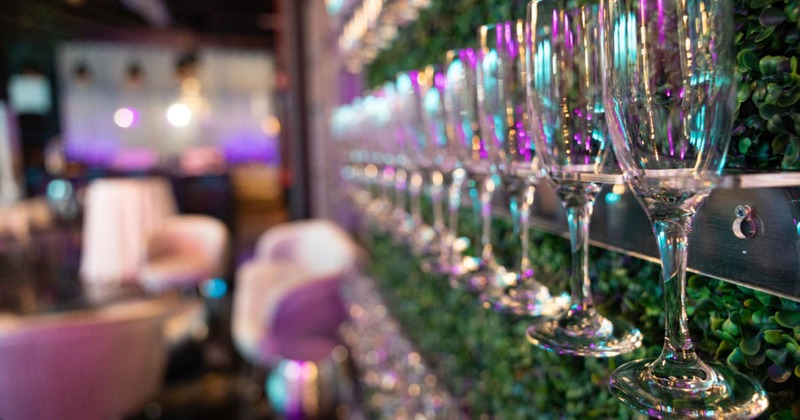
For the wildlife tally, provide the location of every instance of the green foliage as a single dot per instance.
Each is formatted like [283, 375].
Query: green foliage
[766, 130]
[485, 359]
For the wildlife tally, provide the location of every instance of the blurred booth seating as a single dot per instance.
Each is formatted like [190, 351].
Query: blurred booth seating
[85, 364]
[185, 251]
[120, 214]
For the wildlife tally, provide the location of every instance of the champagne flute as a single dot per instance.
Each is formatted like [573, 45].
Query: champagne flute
[565, 101]
[670, 95]
[461, 112]
[380, 116]
[441, 165]
[400, 220]
[504, 127]
[409, 91]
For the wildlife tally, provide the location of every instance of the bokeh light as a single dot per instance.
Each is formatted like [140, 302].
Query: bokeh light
[126, 117]
[179, 115]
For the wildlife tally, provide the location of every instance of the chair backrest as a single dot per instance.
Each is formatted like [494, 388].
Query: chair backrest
[291, 311]
[91, 364]
[321, 247]
[203, 234]
[260, 286]
[119, 216]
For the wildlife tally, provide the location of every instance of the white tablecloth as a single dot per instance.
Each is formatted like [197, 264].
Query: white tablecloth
[119, 216]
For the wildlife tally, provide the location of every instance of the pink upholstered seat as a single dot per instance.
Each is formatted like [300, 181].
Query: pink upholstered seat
[185, 251]
[93, 364]
[321, 247]
[260, 287]
[305, 325]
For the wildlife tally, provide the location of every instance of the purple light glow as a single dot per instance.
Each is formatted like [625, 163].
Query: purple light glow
[439, 80]
[468, 56]
[243, 147]
[523, 141]
[555, 24]
[569, 40]
[511, 42]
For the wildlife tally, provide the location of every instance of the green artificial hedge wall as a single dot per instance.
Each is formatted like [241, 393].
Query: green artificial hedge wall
[768, 43]
[486, 361]
[484, 357]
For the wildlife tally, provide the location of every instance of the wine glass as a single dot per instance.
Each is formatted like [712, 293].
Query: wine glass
[461, 113]
[374, 117]
[441, 166]
[504, 127]
[400, 220]
[380, 119]
[565, 101]
[357, 155]
[670, 92]
[409, 116]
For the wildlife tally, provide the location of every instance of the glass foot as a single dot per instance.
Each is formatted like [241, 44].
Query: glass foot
[461, 274]
[727, 394]
[580, 332]
[525, 296]
[476, 275]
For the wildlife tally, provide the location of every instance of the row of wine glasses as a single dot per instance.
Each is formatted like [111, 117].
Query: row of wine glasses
[574, 94]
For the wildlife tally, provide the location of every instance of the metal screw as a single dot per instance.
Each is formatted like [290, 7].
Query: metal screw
[743, 211]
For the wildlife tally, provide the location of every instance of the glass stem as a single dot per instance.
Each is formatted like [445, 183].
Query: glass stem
[437, 192]
[475, 184]
[672, 238]
[578, 217]
[521, 202]
[386, 179]
[454, 204]
[415, 193]
[400, 188]
[487, 192]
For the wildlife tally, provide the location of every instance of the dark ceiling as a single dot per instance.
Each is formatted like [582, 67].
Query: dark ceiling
[232, 22]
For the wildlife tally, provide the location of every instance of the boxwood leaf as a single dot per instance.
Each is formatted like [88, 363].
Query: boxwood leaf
[735, 358]
[750, 345]
[788, 319]
[773, 336]
[747, 59]
[771, 16]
